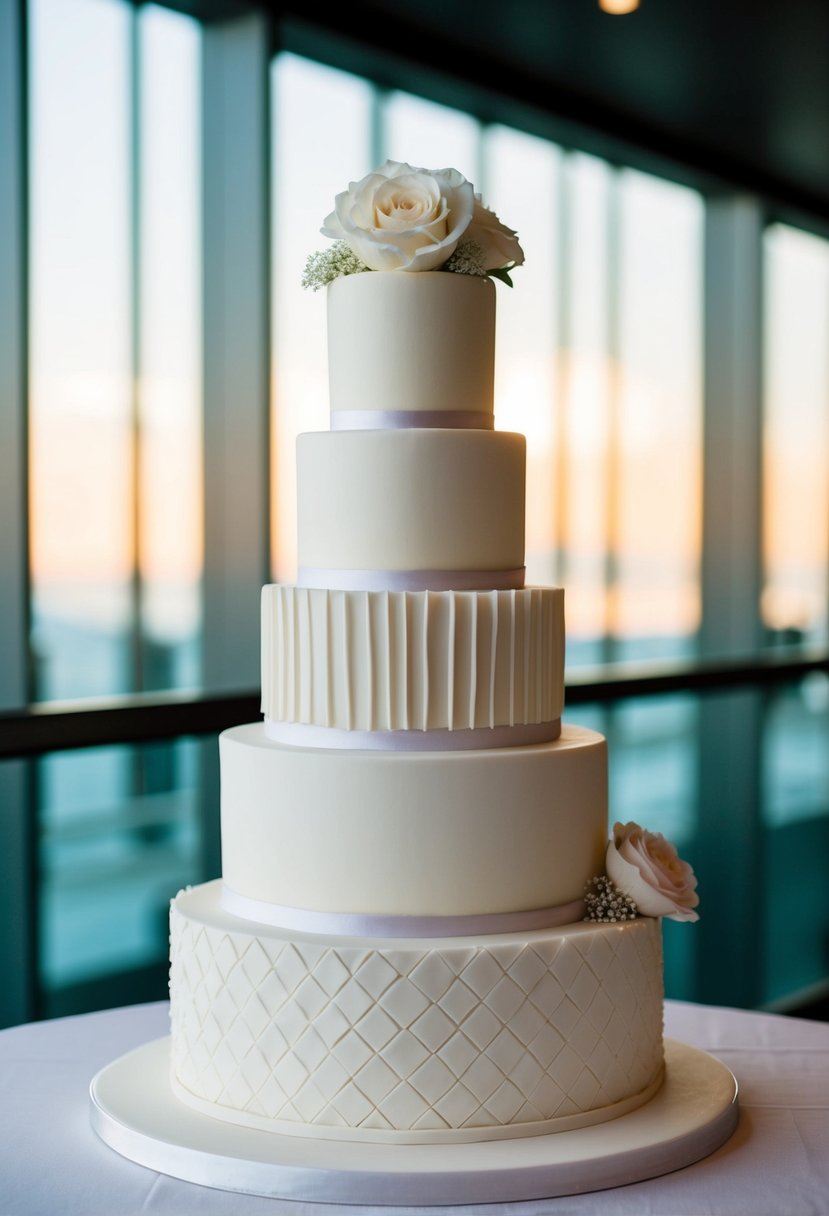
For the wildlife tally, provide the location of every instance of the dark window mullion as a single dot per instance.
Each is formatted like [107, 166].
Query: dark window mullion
[18, 908]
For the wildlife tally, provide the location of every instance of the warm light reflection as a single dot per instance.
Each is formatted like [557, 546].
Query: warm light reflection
[796, 433]
[169, 541]
[555, 381]
[79, 417]
[172, 525]
[321, 137]
[618, 7]
[422, 132]
[80, 508]
[109, 498]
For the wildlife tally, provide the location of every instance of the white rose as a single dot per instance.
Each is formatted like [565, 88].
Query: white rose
[498, 243]
[401, 218]
[647, 867]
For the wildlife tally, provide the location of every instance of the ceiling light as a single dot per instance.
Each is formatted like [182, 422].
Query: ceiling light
[618, 7]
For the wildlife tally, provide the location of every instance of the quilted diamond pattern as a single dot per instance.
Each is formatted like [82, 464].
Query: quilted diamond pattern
[414, 1035]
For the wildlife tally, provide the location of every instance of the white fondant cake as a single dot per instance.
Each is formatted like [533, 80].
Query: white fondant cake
[397, 949]
[402, 661]
[416, 1039]
[413, 833]
[411, 500]
[377, 363]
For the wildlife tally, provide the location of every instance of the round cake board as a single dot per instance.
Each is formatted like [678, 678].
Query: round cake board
[135, 1112]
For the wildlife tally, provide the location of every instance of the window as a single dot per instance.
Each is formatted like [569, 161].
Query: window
[80, 357]
[115, 483]
[599, 346]
[796, 558]
[599, 363]
[796, 435]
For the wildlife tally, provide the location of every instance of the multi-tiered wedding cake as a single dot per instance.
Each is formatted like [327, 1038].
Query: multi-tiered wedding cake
[397, 950]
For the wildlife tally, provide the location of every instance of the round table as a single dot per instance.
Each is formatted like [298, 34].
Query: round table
[776, 1163]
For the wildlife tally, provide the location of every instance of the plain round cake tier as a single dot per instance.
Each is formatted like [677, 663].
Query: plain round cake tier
[460, 1038]
[420, 344]
[410, 500]
[413, 834]
[413, 661]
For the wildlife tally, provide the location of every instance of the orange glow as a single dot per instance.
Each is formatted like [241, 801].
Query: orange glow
[81, 496]
[618, 7]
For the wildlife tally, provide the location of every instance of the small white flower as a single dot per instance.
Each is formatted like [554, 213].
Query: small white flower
[468, 258]
[605, 905]
[324, 267]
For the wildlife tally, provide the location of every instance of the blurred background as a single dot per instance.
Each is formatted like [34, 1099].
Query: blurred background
[164, 171]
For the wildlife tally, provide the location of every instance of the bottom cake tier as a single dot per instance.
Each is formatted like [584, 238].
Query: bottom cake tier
[426, 1039]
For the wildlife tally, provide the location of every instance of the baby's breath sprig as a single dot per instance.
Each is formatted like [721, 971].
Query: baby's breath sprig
[326, 265]
[468, 258]
[605, 903]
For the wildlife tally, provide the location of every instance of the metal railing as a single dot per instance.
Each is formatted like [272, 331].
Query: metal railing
[54, 726]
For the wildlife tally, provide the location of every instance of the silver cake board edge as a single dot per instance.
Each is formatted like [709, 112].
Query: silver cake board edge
[135, 1112]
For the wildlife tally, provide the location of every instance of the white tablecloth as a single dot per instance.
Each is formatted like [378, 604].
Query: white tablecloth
[776, 1164]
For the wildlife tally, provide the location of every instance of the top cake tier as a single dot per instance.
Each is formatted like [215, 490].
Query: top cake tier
[411, 350]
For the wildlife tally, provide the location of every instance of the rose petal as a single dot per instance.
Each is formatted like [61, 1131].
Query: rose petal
[498, 243]
[647, 867]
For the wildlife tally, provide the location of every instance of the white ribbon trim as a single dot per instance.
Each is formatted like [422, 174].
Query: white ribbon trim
[400, 420]
[303, 734]
[380, 925]
[410, 1136]
[331, 579]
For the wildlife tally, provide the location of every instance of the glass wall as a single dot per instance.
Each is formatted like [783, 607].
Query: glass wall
[795, 824]
[796, 436]
[80, 347]
[599, 363]
[599, 345]
[313, 107]
[108, 868]
[115, 472]
[795, 774]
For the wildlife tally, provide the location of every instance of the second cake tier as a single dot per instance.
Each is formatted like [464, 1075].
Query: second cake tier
[396, 834]
[411, 509]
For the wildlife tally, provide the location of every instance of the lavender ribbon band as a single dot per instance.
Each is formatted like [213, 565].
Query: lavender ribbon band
[331, 579]
[380, 925]
[400, 420]
[303, 734]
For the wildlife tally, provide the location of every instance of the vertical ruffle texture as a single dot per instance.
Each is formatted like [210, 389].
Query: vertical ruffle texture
[401, 660]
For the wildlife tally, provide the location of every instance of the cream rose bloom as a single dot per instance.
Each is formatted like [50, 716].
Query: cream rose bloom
[402, 218]
[647, 867]
[499, 244]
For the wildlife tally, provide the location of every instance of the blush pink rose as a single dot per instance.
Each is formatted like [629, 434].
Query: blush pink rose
[647, 867]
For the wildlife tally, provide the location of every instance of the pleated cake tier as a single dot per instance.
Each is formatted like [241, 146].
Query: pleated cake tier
[373, 662]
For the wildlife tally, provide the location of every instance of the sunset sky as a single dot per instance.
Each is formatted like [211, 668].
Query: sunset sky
[555, 377]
